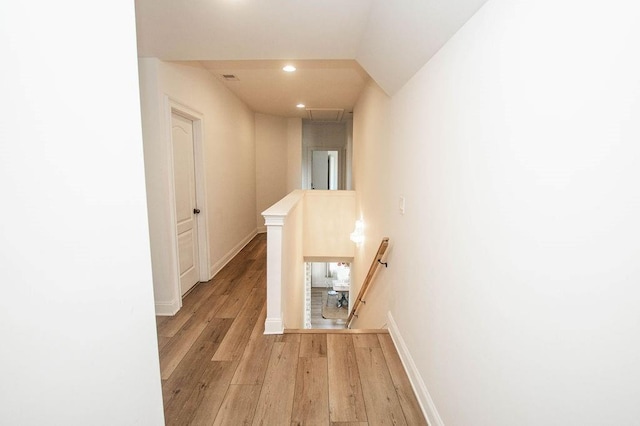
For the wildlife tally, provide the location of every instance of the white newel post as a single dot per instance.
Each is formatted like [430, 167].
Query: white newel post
[274, 323]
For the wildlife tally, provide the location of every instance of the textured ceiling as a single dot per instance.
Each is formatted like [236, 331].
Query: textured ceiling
[390, 40]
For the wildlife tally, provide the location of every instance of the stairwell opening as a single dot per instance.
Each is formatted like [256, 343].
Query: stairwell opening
[327, 300]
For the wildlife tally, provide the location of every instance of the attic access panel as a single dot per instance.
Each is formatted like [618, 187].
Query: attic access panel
[325, 114]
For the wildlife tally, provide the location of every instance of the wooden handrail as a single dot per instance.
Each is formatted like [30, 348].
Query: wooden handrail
[377, 261]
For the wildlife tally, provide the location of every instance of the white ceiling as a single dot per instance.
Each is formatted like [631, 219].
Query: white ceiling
[326, 39]
[317, 84]
[250, 29]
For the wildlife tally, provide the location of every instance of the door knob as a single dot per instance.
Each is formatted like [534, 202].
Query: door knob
[196, 211]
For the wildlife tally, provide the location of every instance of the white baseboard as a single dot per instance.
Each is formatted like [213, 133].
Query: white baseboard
[216, 267]
[424, 399]
[273, 326]
[167, 309]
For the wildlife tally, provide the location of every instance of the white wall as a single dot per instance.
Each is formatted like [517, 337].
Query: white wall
[348, 184]
[294, 154]
[293, 285]
[157, 154]
[323, 136]
[272, 137]
[76, 313]
[229, 159]
[374, 204]
[278, 160]
[515, 265]
[401, 35]
[329, 218]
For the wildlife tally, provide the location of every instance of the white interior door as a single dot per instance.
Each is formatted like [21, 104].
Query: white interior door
[319, 170]
[324, 169]
[186, 204]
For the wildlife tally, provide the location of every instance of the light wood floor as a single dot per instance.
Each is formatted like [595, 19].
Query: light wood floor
[218, 368]
[317, 321]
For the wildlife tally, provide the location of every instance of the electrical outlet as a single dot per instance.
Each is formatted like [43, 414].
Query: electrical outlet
[401, 205]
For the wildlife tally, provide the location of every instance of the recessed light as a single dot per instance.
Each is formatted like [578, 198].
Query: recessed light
[300, 105]
[289, 68]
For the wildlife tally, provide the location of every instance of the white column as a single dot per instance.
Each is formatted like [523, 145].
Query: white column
[274, 323]
[275, 218]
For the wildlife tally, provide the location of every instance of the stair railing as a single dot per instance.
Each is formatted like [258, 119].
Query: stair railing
[377, 261]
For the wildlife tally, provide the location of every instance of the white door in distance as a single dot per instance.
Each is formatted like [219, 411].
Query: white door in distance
[186, 207]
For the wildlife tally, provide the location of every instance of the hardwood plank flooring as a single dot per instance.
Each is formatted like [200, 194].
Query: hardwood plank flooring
[381, 400]
[408, 400]
[173, 352]
[234, 345]
[204, 403]
[186, 377]
[346, 402]
[219, 368]
[254, 361]
[311, 399]
[276, 397]
[313, 345]
[162, 342]
[239, 405]
[191, 304]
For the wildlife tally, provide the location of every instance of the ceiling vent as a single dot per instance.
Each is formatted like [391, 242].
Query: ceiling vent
[325, 114]
[230, 77]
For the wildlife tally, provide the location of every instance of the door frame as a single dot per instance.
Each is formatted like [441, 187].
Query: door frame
[173, 106]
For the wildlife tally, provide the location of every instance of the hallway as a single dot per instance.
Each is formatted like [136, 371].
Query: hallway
[219, 368]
